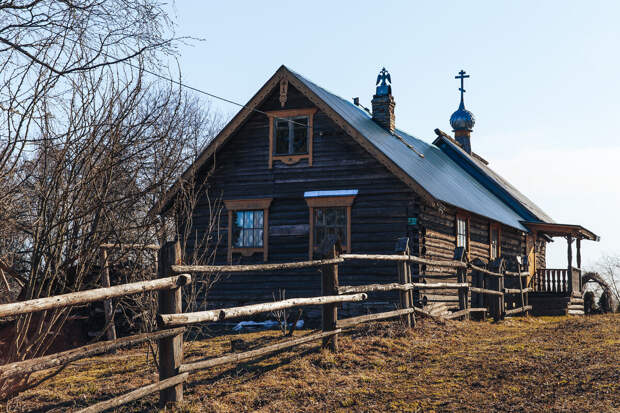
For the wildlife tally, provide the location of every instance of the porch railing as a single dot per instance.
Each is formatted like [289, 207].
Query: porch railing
[555, 280]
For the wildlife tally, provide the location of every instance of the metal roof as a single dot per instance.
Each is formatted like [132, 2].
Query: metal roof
[435, 171]
[494, 182]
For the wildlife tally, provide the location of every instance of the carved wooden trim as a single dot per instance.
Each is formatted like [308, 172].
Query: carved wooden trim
[291, 159]
[283, 91]
[243, 205]
[329, 202]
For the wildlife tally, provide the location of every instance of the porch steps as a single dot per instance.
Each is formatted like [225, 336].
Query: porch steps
[550, 304]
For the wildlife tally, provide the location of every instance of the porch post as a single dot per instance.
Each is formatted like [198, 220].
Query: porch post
[569, 273]
[578, 244]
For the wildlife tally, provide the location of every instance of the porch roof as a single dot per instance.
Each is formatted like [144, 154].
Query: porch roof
[561, 230]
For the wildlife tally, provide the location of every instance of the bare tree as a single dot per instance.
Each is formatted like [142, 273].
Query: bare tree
[608, 267]
[88, 143]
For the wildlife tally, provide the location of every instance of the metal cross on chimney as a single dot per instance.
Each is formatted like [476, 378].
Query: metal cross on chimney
[462, 76]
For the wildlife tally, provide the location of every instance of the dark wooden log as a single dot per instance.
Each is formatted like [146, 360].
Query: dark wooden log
[353, 321]
[21, 368]
[252, 354]
[170, 348]
[578, 245]
[89, 296]
[162, 385]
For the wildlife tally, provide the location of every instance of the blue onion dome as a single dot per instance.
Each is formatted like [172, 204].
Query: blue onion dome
[462, 119]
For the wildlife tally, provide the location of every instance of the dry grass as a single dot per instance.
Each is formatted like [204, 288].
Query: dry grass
[537, 364]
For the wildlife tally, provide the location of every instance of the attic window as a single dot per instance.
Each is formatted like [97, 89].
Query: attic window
[290, 135]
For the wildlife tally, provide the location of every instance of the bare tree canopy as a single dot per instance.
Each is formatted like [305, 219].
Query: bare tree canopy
[88, 142]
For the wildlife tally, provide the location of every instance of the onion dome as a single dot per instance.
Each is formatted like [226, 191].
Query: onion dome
[462, 119]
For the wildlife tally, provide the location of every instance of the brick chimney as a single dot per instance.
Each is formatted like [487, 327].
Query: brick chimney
[383, 102]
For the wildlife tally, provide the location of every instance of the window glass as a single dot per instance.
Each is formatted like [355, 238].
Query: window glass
[494, 239]
[282, 139]
[291, 136]
[461, 232]
[330, 221]
[248, 229]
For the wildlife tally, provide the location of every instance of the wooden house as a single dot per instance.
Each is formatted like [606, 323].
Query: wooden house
[298, 163]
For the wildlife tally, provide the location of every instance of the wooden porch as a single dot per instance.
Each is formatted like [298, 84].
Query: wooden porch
[558, 291]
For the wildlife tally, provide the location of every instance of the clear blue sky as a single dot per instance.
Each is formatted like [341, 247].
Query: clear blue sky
[544, 86]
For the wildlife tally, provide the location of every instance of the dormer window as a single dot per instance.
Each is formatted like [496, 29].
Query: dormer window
[290, 136]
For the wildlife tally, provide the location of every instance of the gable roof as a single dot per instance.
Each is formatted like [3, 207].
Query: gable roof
[424, 167]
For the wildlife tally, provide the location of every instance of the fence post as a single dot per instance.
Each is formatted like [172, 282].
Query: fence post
[461, 277]
[330, 248]
[404, 277]
[170, 348]
[496, 302]
[107, 304]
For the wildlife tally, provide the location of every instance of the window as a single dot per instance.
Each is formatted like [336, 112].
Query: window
[330, 221]
[248, 229]
[290, 135]
[494, 241]
[330, 214]
[248, 226]
[462, 233]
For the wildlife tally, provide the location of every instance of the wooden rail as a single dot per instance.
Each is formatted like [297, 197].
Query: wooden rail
[252, 354]
[137, 394]
[254, 267]
[353, 321]
[408, 258]
[89, 296]
[236, 312]
[20, 368]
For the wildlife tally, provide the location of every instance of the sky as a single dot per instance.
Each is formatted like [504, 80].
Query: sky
[544, 85]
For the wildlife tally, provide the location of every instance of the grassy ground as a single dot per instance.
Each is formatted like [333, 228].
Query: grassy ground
[533, 365]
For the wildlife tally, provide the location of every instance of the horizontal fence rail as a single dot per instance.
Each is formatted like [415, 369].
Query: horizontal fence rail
[136, 394]
[89, 296]
[59, 359]
[235, 312]
[235, 358]
[253, 267]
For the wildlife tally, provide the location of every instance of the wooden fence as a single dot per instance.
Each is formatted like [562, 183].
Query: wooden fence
[486, 286]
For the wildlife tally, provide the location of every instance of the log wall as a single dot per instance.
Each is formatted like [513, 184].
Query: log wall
[379, 215]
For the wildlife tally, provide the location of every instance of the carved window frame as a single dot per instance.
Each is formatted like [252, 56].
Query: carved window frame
[234, 205]
[285, 114]
[494, 226]
[338, 201]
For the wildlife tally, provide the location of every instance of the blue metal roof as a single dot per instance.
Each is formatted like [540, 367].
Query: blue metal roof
[436, 172]
[494, 182]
